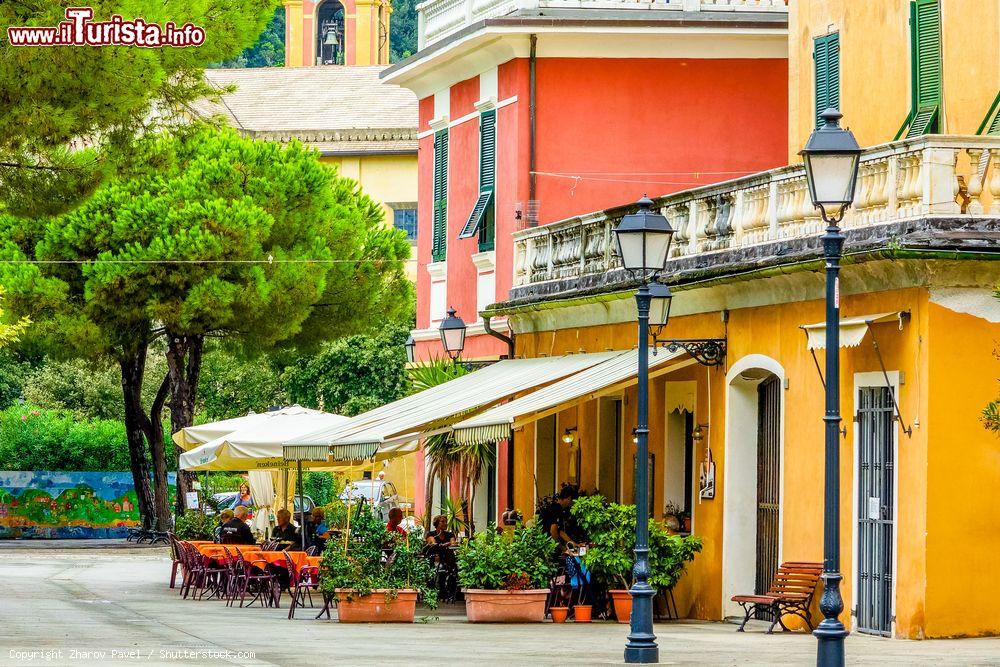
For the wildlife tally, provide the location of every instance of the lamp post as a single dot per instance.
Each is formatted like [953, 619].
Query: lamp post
[643, 243]
[452, 330]
[411, 349]
[831, 159]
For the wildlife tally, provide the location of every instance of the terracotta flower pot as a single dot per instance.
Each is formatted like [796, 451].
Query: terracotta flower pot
[623, 605]
[373, 608]
[581, 613]
[559, 614]
[483, 606]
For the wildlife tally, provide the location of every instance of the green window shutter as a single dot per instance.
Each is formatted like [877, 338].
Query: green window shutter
[991, 123]
[826, 56]
[487, 150]
[439, 237]
[925, 34]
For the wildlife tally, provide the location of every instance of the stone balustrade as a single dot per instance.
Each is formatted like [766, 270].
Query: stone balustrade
[934, 175]
[439, 18]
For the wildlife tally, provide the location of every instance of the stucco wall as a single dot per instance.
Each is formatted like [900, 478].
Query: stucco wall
[875, 65]
[944, 538]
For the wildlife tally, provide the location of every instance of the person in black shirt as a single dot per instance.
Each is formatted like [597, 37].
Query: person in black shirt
[553, 518]
[237, 531]
[286, 533]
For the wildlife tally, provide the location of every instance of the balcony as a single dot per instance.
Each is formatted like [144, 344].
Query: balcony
[933, 193]
[440, 18]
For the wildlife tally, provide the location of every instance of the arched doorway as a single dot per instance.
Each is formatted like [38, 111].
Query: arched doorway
[753, 478]
[330, 33]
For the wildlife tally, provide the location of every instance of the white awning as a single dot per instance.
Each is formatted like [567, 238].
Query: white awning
[852, 329]
[258, 446]
[495, 424]
[192, 436]
[435, 409]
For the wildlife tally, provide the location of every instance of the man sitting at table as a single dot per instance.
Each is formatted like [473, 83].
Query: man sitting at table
[225, 516]
[236, 531]
[286, 533]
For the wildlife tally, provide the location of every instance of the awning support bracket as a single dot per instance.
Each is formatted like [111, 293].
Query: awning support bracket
[908, 430]
[818, 369]
[706, 351]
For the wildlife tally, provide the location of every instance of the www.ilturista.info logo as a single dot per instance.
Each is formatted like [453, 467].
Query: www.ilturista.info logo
[79, 30]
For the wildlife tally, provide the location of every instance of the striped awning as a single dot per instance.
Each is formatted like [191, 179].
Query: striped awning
[436, 409]
[852, 329]
[610, 375]
[305, 453]
[363, 452]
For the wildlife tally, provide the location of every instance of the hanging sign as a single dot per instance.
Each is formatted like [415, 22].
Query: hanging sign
[706, 478]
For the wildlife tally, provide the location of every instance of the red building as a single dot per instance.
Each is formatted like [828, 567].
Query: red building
[534, 111]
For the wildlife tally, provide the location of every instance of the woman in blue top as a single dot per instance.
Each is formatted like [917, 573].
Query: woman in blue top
[244, 497]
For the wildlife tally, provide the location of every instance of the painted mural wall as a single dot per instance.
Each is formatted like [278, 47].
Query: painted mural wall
[48, 504]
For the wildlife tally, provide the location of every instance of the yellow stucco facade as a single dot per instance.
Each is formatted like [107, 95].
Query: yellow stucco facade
[941, 359]
[365, 31]
[875, 79]
[388, 179]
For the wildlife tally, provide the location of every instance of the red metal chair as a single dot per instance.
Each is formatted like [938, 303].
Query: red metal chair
[301, 584]
[256, 578]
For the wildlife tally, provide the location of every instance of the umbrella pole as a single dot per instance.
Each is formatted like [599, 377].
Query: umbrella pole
[347, 531]
[302, 510]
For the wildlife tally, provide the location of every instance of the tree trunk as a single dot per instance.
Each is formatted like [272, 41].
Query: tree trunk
[133, 365]
[153, 428]
[184, 354]
[429, 494]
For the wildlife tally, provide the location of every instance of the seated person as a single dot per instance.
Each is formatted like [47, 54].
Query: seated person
[395, 521]
[224, 517]
[553, 519]
[285, 532]
[439, 542]
[236, 530]
[318, 531]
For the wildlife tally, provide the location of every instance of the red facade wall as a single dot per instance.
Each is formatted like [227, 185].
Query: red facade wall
[613, 129]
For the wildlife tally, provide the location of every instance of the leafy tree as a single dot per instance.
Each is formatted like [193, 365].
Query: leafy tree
[352, 375]
[232, 386]
[269, 51]
[13, 372]
[9, 332]
[58, 98]
[36, 439]
[403, 32]
[217, 235]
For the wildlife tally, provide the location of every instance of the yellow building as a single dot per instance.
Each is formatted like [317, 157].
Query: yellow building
[367, 128]
[337, 32]
[919, 333]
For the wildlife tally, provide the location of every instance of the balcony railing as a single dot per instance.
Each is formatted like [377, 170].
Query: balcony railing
[927, 176]
[440, 18]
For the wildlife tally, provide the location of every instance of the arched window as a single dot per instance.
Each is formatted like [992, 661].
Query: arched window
[330, 33]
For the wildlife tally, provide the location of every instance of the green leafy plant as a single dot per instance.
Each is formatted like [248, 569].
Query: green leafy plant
[513, 560]
[194, 525]
[362, 566]
[610, 528]
[452, 511]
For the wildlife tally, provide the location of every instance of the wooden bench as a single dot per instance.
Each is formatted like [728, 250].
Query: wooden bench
[791, 592]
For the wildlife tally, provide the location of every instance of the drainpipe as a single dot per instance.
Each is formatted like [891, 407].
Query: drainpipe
[509, 340]
[532, 216]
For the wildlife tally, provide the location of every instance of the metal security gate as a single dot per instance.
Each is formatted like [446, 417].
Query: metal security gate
[768, 484]
[876, 500]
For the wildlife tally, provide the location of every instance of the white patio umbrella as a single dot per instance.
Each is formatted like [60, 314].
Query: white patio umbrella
[258, 445]
[192, 436]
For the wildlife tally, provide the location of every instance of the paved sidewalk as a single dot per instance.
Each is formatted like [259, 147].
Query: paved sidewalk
[95, 601]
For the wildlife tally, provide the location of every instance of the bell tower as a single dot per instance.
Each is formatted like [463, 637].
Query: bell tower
[337, 32]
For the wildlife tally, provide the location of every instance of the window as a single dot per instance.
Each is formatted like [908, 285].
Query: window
[481, 221]
[439, 241]
[826, 57]
[406, 219]
[925, 57]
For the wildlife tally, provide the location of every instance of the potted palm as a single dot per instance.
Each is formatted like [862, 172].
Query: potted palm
[610, 529]
[376, 576]
[505, 577]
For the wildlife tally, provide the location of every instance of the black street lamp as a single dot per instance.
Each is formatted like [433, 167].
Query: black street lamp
[411, 349]
[452, 331]
[831, 159]
[643, 244]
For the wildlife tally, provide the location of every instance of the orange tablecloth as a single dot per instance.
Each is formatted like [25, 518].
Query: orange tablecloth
[313, 560]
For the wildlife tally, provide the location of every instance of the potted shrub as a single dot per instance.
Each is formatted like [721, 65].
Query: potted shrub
[505, 577]
[377, 576]
[610, 527]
